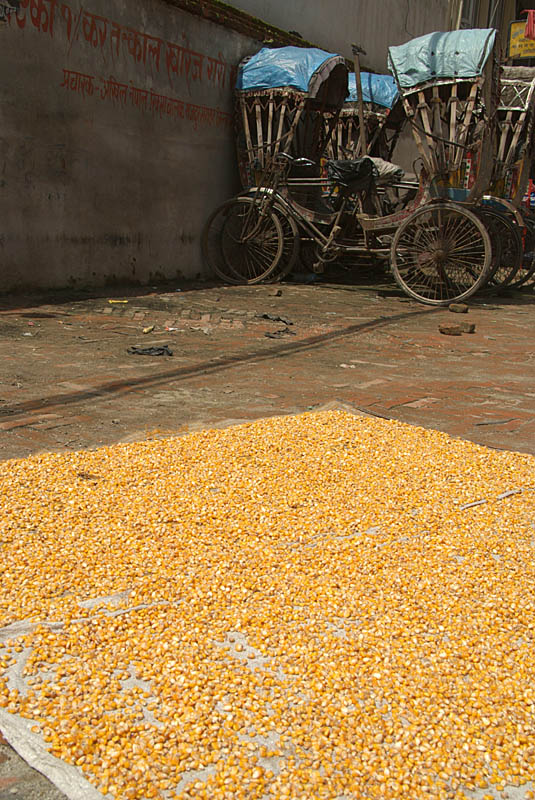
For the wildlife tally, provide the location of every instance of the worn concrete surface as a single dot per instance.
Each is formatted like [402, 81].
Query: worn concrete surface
[18, 780]
[114, 150]
[68, 382]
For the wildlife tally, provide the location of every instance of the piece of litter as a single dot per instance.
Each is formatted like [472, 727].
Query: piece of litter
[149, 329]
[471, 505]
[497, 421]
[348, 366]
[174, 329]
[274, 318]
[509, 494]
[502, 496]
[117, 301]
[280, 334]
[162, 350]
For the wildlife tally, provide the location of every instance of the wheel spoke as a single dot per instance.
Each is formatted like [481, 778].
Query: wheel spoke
[440, 254]
[242, 243]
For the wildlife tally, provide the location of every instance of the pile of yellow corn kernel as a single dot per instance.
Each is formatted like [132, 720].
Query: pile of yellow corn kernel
[300, 607]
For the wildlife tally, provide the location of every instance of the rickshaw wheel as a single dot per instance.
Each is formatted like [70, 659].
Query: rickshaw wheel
[525, 276]
[506, 245]
[441, 253]
[241, 242]
[291, 246]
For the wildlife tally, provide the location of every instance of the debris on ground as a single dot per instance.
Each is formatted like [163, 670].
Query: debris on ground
[496, 421]
[450, 330]
[120, 302]
[280, 334]
[467, 327]
[274, 318]
[458, 308]
[148, 329]
[296, 607]
[162, 350]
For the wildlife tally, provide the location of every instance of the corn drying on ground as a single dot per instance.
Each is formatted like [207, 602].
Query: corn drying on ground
[300, 607]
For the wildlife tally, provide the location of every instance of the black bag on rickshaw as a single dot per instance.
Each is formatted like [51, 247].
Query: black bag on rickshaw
[354, 176]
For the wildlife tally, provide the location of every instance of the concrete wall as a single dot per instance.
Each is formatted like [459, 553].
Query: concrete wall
[116, 139]
[336, 24]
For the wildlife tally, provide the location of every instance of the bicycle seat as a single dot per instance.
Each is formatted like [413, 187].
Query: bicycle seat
[299, 162]
[303, 162]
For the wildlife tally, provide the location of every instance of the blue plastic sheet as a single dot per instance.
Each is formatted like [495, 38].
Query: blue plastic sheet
[456, 54]
[380, 89]
[273, 68]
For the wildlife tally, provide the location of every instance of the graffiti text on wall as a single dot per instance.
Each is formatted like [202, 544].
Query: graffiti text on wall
[148, 52]
[144, 100]
[7, 9]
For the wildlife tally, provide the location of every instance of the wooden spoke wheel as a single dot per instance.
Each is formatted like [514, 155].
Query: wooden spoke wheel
[243, 241]
[506, 245]
[441, 253]
[291, 245]
[525, 277]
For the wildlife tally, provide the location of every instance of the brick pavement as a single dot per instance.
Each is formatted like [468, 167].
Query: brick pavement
[67, 381]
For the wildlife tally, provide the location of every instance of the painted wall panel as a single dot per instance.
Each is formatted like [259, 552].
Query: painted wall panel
[116, 140]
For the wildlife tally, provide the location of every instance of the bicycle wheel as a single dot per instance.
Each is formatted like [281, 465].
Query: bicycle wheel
[441, 253]
[525, 277]
[242, 242]
[291, 246]
[507, 245]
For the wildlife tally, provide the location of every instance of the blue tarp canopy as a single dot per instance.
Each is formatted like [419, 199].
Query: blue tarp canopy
[379, 89]
[302, 68]
[456, 54]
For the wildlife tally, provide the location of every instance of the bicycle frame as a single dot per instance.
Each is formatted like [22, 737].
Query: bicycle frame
[310, 221]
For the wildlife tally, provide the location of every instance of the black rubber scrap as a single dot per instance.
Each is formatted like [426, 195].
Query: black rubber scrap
[280, 334]
[161, 350]
[274, 318]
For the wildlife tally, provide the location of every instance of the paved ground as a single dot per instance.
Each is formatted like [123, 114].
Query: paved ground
[68, 382]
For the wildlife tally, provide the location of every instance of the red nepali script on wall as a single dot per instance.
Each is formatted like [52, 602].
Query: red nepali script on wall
[144, 100]
[148, 52]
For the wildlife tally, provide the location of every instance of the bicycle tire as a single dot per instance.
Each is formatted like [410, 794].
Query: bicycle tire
[441, 253]
[505, 238]
[241, 243]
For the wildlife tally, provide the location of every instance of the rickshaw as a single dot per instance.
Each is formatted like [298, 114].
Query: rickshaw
[439, 248]
[287, 100]
[381, 110]
[512, 168]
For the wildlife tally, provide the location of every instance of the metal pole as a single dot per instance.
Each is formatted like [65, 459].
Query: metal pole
[356, 60]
